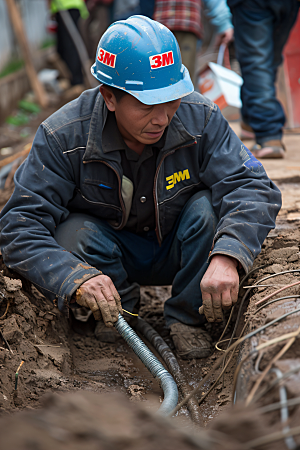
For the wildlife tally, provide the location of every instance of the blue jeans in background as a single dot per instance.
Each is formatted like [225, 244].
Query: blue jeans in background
[261, 29]
[131, 260]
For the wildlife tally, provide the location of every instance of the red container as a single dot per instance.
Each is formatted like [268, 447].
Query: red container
[291, 68]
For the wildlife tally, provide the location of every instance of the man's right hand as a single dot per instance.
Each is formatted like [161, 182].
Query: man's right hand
[100, 295]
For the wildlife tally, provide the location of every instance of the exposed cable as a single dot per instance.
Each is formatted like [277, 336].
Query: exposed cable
[273, 437]
[284, 413]
[5, 342]
[264, 306]
[251, 334]
[6, 311]
[269, 365]
[152, 363]
[276, 292]
[172, 364]
[274, 406]
[274, 383]
[239, 312]
[221, 359]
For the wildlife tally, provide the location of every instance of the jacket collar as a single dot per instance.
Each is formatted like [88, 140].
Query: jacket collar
[177, 135]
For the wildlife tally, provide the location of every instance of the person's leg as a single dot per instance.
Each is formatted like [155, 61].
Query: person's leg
[184, 264]
[285, 15]
[188, 48]
[187, 260]
[254, 26]
[67, 49]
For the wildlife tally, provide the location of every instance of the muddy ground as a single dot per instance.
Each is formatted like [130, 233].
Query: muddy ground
[57, 359]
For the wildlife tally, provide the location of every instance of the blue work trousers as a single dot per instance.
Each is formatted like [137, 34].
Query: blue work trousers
[131, 260]
[261, 29]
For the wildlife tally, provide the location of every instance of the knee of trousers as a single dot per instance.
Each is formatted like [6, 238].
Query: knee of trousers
[84, 235]
[198, 215]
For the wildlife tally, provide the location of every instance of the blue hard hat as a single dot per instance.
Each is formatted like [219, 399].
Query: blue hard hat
[142, 57]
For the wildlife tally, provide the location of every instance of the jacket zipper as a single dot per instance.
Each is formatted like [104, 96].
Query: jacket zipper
[120, 191]
[179, 192]
[157, 228]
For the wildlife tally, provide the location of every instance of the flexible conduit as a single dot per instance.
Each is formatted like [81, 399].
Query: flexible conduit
[172, 364]
[153, 365]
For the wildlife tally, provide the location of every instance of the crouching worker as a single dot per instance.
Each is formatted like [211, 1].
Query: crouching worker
[142, 183]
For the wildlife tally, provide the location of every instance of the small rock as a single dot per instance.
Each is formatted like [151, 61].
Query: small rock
[2, 355]
[276, 268]
[284, 253]
[12, 285]
[11, 330]
[294, 258]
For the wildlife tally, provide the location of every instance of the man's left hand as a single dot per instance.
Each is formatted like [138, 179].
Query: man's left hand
[219, 287]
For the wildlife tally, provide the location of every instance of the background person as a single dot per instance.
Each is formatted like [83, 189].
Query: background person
[261, 29]
[184, 20]
[65, 45]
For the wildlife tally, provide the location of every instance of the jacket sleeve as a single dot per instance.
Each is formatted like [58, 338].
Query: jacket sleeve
[244, 198]
[43, 187]
[218, 14]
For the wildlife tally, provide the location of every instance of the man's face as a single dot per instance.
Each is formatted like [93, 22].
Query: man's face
[139, 123]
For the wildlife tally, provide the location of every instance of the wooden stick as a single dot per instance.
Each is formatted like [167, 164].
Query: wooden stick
[17, 24]
[17, 155]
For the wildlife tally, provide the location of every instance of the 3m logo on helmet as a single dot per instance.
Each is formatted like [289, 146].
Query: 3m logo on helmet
[161, 60]
[109, 59]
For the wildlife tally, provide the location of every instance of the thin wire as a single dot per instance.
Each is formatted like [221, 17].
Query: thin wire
[239, 311]
[5, 341]
[7, 306]
[262, 285]
[278, 405]
[220, 360]
[273, 360]
[277, 292]
[284, 413]
[274, 383]
[273, 437]
[251, 334]
[258, 361]
[277, 274]
[232, 309]
[218, 378]
[220, 342]
[264, 306]
[132, 314]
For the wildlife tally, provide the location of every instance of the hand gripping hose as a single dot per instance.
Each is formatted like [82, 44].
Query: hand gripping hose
[153, 365]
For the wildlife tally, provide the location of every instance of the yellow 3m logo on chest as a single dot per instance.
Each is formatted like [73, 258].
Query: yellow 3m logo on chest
[176, 177]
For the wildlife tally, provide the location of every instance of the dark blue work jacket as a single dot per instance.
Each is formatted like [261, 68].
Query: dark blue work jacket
[67, 171]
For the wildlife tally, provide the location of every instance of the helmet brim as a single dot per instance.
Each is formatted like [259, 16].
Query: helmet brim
[175, 91]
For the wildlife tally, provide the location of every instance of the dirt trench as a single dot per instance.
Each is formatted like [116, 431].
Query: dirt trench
[58, 360]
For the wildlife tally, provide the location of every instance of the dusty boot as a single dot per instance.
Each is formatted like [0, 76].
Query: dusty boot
[105, 334]
[270, 149]
[191, 342]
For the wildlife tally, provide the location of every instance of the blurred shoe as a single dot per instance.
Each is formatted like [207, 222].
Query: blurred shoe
[246, 132]
[191, 342]
[270, 149]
